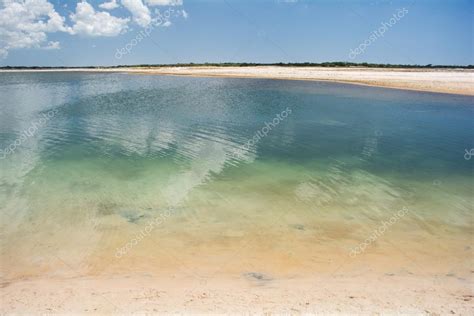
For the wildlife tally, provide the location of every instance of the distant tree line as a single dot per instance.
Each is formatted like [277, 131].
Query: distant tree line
[228, 64]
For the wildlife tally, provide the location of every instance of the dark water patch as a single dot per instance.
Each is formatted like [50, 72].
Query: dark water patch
[298, 226]
[131, 215]
[258, 277]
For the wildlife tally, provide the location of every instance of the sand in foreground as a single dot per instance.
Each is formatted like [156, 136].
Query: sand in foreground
[322, 295]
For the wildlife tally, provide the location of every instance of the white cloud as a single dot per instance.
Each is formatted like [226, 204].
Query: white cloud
[140, 12]
[24, 24]
[88, 22]
[164, 2]
[52, 45]
[112, 4]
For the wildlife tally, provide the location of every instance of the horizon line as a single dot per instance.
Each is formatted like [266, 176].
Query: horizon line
[249, 64]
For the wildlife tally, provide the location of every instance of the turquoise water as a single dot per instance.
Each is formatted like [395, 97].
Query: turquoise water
[287, 168]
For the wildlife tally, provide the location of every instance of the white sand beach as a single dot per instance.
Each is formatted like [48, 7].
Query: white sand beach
[454, 81]
[440, 80]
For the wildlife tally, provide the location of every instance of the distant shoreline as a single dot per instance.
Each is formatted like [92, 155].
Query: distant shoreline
[439, 80]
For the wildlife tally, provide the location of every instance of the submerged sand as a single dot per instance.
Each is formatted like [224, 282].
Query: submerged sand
[203, 266]
[454, 81]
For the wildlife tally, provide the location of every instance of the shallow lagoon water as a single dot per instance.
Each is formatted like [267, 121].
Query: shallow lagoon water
[152, 174]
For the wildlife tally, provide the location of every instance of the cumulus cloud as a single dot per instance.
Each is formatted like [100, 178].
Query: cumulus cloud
[139, 11]
[88, 22]
[25, 24]
[112, 4]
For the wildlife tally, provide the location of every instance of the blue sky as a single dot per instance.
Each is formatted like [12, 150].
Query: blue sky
[429, 32]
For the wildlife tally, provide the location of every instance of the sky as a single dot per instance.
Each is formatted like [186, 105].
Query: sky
[115, 32]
